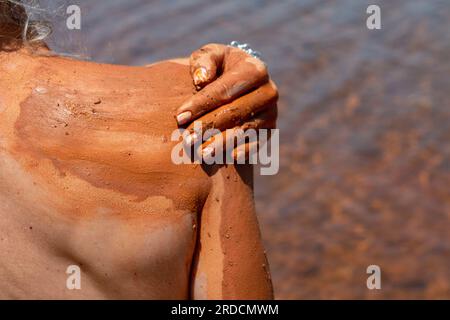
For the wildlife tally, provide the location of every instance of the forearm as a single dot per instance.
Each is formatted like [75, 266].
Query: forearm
[231, 260]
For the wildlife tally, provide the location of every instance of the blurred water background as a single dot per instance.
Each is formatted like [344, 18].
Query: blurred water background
[364, 120]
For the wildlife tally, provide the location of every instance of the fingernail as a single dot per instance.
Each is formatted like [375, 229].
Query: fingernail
[207, 153]
[184, 117]
[191, 139]
[200, 75]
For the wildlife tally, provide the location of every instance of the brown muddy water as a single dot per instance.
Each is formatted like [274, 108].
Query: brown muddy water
[364, 120]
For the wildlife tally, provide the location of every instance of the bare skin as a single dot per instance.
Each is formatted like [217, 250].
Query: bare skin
[86, 179]
[222, 74]
[234, 92]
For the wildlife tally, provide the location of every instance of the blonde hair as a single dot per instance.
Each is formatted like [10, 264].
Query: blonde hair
[16, 27]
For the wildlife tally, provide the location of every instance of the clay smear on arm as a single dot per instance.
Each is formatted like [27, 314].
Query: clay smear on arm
[231, 263]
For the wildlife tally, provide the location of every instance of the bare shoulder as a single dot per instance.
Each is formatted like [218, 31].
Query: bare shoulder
[103, 130]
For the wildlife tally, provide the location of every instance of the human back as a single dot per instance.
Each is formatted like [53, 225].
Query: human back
[86, 159]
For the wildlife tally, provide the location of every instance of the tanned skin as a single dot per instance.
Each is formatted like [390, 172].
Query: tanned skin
[86, 179]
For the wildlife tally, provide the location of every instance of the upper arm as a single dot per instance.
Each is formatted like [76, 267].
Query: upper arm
[230, 262]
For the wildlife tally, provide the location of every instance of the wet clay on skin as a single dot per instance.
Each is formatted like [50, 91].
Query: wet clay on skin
[109, 126]
[241, 74]
[94, 144]
[229, 241]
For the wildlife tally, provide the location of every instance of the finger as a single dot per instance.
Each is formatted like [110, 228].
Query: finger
[231, 144]
[205, 63]
[219, 147]
[230, 86]
[264, 120]
[258, 105]
[246, 149]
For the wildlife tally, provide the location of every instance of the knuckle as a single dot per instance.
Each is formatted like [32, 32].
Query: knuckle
[262, 69]
[219, 91]
[196, 55]
[273, 92]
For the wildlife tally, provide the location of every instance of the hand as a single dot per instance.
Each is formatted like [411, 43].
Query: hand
[234, 91]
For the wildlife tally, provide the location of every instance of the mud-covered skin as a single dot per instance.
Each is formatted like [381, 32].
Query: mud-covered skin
[224, 76]
[231, 262]
[86, 179]
[234, 93]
